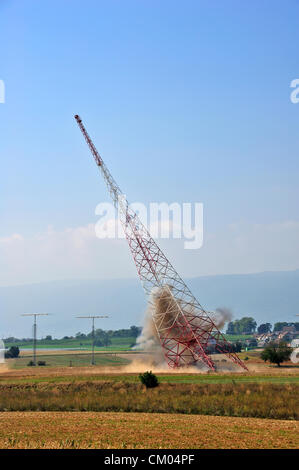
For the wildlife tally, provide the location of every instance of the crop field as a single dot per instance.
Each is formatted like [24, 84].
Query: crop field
[243, 400]
[142, 430]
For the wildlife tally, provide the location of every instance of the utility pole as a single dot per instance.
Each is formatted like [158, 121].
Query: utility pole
[92, 333]
[34, 330]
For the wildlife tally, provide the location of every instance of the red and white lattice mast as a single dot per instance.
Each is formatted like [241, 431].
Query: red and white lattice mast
[185, 330]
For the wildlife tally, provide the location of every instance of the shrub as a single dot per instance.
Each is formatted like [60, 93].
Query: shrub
[30, 364]
[12, 352]
[41, 363]
[149, 379]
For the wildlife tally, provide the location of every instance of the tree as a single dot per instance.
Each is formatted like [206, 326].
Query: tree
[280, 325]
[101, 338]
[149, 379]
[264, 328]
[11, 339]
[230, 328]
[135, 331]
[80, 335]
[12, 352]
[48, 338]
[276, 354]
[245, 325]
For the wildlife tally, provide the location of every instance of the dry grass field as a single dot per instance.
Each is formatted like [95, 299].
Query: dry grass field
[273, 401]
[143, 430]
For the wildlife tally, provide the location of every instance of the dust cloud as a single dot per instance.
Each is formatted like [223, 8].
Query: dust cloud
[162, 311]
[221, 316]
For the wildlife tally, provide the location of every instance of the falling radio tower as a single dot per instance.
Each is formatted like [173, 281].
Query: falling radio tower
[185, 330]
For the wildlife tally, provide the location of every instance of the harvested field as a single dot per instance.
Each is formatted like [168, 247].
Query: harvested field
[141, 430]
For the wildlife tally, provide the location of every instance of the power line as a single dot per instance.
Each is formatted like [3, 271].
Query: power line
[34, 330]
[92, 333]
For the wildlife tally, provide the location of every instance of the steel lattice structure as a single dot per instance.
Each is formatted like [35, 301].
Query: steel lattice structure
[187, 333]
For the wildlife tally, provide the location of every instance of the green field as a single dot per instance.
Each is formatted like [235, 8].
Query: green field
[117, 344]
[69, 360]
[234, 338]
[71, 375]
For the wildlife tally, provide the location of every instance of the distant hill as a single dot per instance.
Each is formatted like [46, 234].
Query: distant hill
[268, 297]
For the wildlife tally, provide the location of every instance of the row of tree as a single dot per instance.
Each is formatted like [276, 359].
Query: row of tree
[100, 335]
[248, 325]
[103, 338]
[280, 325]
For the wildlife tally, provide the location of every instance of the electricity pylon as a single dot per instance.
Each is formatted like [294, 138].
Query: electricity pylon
[185, 330]
[92, 333]
[34, 330]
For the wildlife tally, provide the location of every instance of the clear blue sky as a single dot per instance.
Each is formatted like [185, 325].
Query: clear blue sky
[186, 101]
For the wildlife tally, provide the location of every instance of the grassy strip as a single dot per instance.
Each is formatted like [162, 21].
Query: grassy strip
[244, 400]
[163, 378]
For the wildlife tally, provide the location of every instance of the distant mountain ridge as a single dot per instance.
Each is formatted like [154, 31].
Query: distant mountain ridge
[267, 296]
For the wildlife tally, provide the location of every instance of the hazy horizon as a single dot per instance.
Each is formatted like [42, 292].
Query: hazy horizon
[133, 278]
[268, 297]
